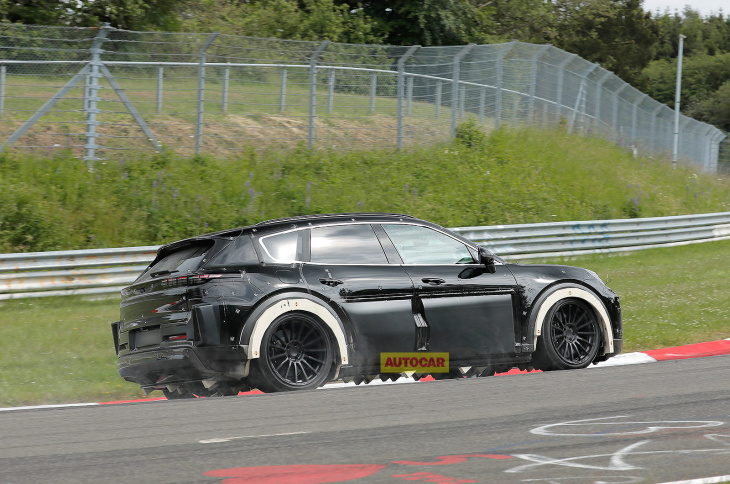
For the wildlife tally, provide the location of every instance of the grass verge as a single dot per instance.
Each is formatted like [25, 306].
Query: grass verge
[59, 350]
[521, 176]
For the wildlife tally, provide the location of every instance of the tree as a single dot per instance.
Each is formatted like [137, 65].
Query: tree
[618, 34]
[430, 22]
[284, 19]
[37, 12]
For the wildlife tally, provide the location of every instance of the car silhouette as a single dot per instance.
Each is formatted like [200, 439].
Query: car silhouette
[293, 303]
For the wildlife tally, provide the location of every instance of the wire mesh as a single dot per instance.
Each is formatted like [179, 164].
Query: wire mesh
[223, 94]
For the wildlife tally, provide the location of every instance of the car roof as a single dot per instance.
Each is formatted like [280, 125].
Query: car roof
[337, 217]
[297, 221]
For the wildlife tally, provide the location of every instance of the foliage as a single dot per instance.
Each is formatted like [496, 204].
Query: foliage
[284, 19]
[510, 177]
[471, 134]
[432, 22]
[703, 77]
[124, 14]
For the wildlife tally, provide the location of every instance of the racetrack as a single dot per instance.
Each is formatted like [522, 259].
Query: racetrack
[660, 422]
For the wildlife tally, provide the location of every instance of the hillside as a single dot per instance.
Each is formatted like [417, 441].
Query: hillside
[518, 176]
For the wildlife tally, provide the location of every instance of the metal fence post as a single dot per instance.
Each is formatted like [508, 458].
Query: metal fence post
[462, 101]
[373, 91]
[482, 103]
[614, 114]
[652, 139]
[500, 74]
[224, 97]
[599, 91]
[533, 77]
[561, 76]
[401, 65]
[409, 94]
[581, 97]
[455, 85]
[3, 71]
[708, 135]
[634, 114]
[201, 93]
[282, 91]
[330, 91]
[85, 100]
[160, 80]
[313, 90]
[93, 98]
[437, 101]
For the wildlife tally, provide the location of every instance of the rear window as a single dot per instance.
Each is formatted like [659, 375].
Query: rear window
[179, 262]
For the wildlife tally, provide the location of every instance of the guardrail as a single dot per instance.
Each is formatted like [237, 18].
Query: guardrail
[99, 271]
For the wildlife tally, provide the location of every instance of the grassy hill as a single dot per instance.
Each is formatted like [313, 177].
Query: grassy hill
[59, 350]
[518, 176]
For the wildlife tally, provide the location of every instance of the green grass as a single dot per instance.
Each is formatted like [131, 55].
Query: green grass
[521, 176]
[59, 350]
[670, 296]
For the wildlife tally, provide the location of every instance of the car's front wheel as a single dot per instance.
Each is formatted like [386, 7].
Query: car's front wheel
[296, 354]
[571, 336]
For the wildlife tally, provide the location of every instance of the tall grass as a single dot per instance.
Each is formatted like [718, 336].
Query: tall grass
[519, 176]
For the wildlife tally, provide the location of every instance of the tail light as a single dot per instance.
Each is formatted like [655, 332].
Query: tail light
[188, 280]
[202, 278]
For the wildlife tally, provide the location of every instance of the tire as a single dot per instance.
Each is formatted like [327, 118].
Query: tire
[296, 354]
[571, 336]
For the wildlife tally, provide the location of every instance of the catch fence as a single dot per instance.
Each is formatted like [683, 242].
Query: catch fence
[103, 92]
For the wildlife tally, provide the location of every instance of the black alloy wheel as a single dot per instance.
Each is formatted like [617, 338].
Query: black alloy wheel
[571, 336]
[296, 354]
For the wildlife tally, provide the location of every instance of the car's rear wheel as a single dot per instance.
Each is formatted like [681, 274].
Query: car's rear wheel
[296, 354]
[571, 336]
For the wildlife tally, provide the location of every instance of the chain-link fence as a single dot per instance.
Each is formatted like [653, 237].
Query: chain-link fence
[100, 92]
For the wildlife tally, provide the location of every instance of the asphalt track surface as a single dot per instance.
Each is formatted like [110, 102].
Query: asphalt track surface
[662, 422]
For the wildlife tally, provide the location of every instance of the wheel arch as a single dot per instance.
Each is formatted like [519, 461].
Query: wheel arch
[263, 316]
[564, 291]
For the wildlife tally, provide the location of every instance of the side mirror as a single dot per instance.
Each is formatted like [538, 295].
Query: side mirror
[486, 258]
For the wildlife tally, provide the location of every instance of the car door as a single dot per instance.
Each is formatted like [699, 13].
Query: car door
[348, 266]
[469, 311]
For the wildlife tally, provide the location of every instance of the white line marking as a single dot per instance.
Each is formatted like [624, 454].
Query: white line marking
[702, 480]
[625, 359]
[228, 439]
[38, 407]
[643, 427]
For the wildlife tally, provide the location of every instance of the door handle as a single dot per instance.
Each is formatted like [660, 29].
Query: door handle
[433, 280]
[330, 282]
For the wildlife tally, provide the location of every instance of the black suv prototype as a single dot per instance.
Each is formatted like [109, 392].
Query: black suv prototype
[293, 303]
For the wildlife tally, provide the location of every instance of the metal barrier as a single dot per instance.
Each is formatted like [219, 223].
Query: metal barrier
[100, 93]
[100, 271]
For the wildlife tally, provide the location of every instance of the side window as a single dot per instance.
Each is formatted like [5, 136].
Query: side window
[422, 245]
[282, 247]
[240, 252]
[346, 244]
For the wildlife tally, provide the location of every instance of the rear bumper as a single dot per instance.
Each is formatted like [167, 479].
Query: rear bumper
[162, 366]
